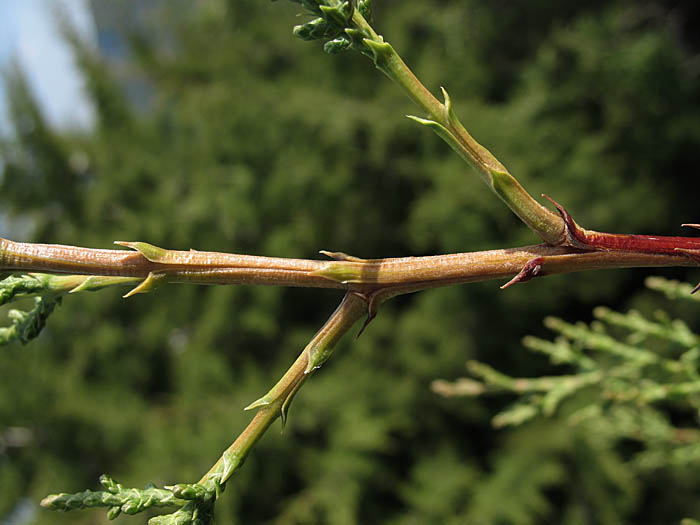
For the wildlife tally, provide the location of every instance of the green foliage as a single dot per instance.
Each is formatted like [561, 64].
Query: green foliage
[257, 144]
[116, 497]
[335, 22]
[48, 289]
[631, 380]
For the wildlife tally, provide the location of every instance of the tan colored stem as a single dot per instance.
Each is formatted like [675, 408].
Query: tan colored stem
[276, 402]
[403, 275]
[209, 268]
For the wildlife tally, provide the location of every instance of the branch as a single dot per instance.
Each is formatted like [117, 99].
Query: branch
[349, 28]
[155, 266]
[276, 402]
[196, 500]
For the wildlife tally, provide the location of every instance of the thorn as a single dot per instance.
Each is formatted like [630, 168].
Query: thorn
[83, 285]
[258, 403]
[424, 121]
[369, 319]
[531, 269]
[371, 311]
[149, 284]
[575, 238]
[693, 254]
[283, 416]
[446, 98]
[284, 409]
[562, 211]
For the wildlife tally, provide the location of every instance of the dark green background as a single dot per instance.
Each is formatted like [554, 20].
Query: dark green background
[251, 141]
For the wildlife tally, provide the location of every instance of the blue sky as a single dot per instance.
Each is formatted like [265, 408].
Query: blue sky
[28, 34]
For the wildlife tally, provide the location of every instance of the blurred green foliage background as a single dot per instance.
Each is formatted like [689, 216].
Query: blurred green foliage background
[254, 142]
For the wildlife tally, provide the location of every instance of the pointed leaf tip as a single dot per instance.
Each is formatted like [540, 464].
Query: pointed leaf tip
[150, 283]
[231, 462]
[381, 51]
[449, 109]
[262, 402]
[85, 285]
[284, 409]
[435, 126]
[341, 256]
[149, 251]
[446, 98]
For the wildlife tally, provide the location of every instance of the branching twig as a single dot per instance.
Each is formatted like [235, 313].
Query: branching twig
[197, 500]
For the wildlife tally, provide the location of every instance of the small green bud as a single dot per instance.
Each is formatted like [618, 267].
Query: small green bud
[184, 516]
[312, 5]
[381, 52]
[356, 36]
[113, 512]
[25, 326]
[337, 45]
[131, 507]
[17, 316]
[109, 484]
[317, 28]
[365, 8]
[189, 491]
[338, 15]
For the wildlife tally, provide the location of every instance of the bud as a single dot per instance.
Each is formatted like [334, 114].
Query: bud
[340, 15]
[365, 8]
[189, 491]
[337, 45]
[317, 28]
[113, 512]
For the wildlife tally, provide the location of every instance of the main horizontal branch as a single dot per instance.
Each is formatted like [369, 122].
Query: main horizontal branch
[402, 275]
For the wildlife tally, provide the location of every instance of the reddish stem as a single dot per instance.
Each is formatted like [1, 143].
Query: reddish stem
[578, 237]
